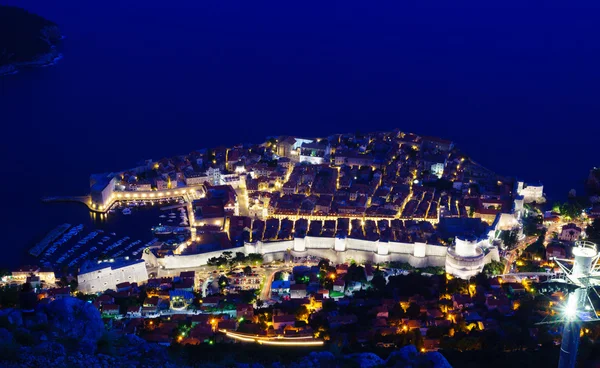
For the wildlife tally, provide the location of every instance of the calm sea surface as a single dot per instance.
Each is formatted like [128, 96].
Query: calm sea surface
[515, 85]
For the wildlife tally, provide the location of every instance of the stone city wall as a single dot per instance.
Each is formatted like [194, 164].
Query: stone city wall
[338, 250]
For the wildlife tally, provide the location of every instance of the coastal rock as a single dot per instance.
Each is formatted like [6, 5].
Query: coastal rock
[76, 321]
[7, 70]
[366, 360]
[405, 355]
[5, 335]
[38, 319]
[315, 359]
[13, 316]
[51, 350]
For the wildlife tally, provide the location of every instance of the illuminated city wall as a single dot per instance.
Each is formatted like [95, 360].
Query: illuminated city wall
[105, 278]
[416, 254]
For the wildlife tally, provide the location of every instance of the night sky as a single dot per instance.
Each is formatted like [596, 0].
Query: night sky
[514, 83]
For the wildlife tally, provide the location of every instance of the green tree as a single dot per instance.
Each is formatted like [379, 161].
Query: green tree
[537, 249]
[247, 270]
[324, 264]
[223, 282]
[493, 268]
[255, 259]
[530, 225]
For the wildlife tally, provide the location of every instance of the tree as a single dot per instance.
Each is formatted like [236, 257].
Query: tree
[302, 313]
[379, 282]
[255, 258]
[530, 225]
[537, 248]
[223, 282]
[324, 264]
[239, 257]
[228, 255]
[355, 273]
[413, 311]
[247, 270]
[493, 268]
[593, 231]
[509, 238]
[73, 284]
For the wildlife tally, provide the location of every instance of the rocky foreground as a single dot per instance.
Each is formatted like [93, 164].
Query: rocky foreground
[26, 40]
[71, 333]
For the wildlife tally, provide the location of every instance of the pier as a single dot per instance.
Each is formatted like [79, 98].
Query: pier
[79, 199]
[52, 236]
[188, 194]
[172, 207]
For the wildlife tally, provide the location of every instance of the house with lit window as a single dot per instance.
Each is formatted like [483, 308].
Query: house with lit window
[569, 233]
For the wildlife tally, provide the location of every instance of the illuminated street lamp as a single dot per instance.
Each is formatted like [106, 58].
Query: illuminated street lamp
[584, 274]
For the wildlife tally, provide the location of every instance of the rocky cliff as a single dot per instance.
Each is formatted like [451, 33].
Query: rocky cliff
[71, 333]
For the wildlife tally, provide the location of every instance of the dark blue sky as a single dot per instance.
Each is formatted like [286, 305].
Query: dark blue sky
[515, 84]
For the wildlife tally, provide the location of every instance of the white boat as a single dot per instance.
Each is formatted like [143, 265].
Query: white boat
[127, 211]
[162, 216]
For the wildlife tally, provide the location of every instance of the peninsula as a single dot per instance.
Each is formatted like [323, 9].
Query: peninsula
[26, 40]
[377, 249]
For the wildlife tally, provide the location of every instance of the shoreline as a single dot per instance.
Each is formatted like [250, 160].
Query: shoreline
[50, 58]
[45, 60]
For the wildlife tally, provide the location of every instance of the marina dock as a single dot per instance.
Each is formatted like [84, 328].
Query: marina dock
[86, 200]
[172, 207]
[49, 238]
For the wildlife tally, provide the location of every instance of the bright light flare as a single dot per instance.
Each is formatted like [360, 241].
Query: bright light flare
[570, 310]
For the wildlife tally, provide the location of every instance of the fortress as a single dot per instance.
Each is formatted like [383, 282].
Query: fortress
[466, 258]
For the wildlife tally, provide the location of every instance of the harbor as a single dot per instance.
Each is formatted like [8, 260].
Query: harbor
[49, 238]
[125, 231]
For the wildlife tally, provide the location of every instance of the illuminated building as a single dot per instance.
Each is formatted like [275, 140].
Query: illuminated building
[101, 276]
[467, 257]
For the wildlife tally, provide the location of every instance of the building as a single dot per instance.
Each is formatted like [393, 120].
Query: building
[134, 311]
[22, 273]
[555, 250]
[280, 287]
[531, 192]
[569, 233]
[436, 144]
[194, 178]
[467, 257]
[353, 159]
[435, 164]
[245, 311]
[281, 321]
[110, 309]
[314, 153]
[59, 293]
[34, 281]
[102, 187]
[298, 291]
[180, 299]
[339, 285]
[286, 147]
[104, 275]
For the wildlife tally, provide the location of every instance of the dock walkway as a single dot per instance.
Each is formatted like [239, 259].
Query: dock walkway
[52, 236]
[172, 207]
